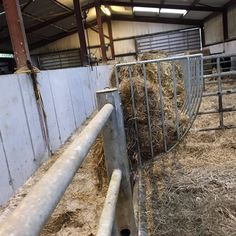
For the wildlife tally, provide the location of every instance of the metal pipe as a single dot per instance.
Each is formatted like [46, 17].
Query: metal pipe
[31, 215]
[162, 106]
[148, 109]
[160, 60]
[108, 213]
[135, 117]
[219, 55]
[233, 72]
[223, 92]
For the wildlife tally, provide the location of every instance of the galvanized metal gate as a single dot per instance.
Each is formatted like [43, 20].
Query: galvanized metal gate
[60, 60]
[174, 42]
[190, 69]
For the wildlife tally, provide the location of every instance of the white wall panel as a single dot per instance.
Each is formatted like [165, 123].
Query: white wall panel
[69, 98]
[62, 100]
[6, 188]
[76, 90]
[50, 109]
[15, 131]
[214, 30]
[33, 119]
[232, 21]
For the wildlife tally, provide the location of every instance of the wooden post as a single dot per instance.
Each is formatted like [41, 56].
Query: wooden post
[113, 135]
[101, 34]
[17, 32]
[225, 25]
[109, 26]
[80, 27]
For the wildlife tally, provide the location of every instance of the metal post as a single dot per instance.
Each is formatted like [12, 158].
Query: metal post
[101, 34]
[220, 97]
[113, 135]
[107, 219]
[225, 24]
[17, 32]
[80, 26]
[111, 39]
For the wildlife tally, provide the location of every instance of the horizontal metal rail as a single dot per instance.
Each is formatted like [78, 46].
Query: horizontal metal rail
[233, 72]
[229, 109]
[223, 92]
[107, 219]
[31, 215]
[219, 56]
[160, 60]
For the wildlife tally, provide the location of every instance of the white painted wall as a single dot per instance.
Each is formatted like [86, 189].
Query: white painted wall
[69, 99]
[120, 29]
[232, 21]
[213, 28]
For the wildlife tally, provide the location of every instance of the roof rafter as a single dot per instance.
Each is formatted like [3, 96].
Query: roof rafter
[60, 36]
[158, 5]
[156, 20]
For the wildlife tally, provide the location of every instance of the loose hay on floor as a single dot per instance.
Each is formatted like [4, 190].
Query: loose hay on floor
[192, 190]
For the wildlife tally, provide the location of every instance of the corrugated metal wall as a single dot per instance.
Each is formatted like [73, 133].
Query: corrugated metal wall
[69, 99]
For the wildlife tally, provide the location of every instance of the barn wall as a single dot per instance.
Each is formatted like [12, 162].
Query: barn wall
[213, 28]
[121, 29]
[69, 99]
[232, 21]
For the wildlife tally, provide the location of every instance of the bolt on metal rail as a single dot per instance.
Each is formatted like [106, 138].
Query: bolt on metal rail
[33, 212]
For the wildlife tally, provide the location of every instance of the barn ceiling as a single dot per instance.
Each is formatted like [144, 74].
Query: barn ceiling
[48, 20]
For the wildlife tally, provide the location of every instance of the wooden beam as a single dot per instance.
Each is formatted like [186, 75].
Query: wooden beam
[225, 25]
[17, 32]
[95, 30]
[80, 29]
[158, 5]
[111, 39]
[101, 34]
[156, 20]
[59, 36]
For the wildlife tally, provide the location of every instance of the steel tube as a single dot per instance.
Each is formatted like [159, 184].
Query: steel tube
[135, 116]
[233, 72]
[148, 110]
[31, 215]
[108, 213]
[223, 92]
[160, 60]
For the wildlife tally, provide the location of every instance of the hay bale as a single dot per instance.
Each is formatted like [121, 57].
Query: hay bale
[140, 114]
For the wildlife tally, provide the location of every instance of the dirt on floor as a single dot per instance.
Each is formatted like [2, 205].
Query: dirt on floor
[192, 190]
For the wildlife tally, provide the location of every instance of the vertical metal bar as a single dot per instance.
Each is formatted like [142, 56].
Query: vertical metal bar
[162, 106]
[220, 97]
[225, 24]
[200, 38]
[107, 218]
[17, 32]
[188, 85]
[101, 34]
[175, 100]
[80, 27]
[135, 117]
[117, 77]
[148, 111]
[114, 140]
